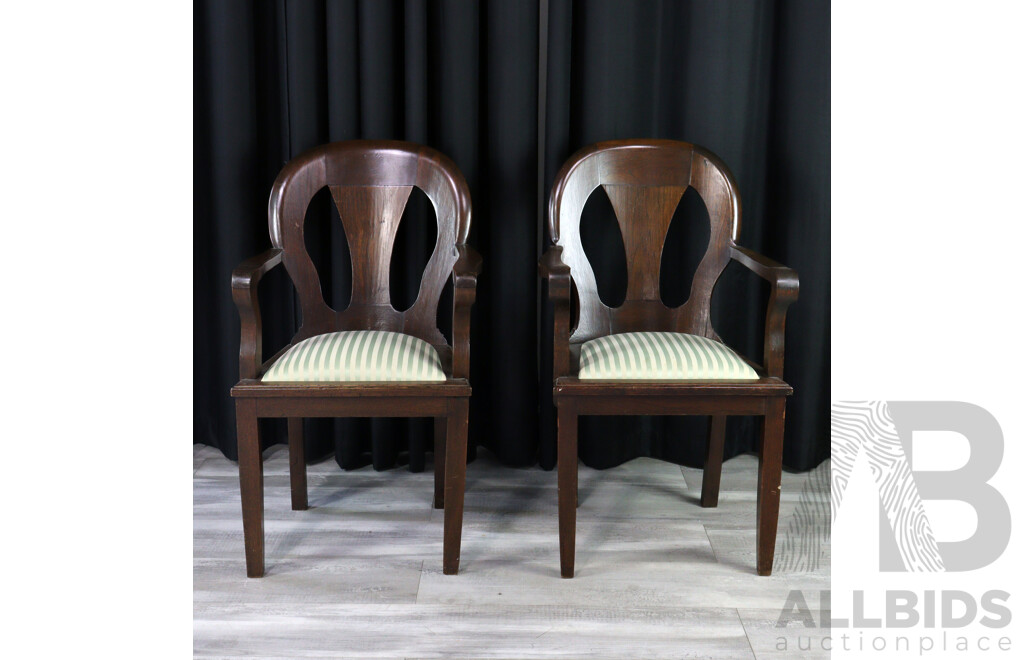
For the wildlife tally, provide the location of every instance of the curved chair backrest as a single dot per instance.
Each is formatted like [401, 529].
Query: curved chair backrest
[370, 182]
[644, 179]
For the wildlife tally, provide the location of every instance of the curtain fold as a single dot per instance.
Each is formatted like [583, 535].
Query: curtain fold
[750, 81]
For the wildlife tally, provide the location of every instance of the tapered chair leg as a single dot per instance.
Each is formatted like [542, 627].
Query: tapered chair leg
[440, 433]
[297, 464]
[568, 481]
[454, 481]
[769, 479]
[250, 474]
[713, 462]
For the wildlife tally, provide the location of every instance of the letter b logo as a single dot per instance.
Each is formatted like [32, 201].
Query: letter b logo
[884, 430]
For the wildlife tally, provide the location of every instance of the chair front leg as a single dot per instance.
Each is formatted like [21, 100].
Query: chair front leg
[454, 481]
[250, 474]
[713, 462]
[440, 433]
[568, 481]
[297, 464]
[769, 479]
[577, 482]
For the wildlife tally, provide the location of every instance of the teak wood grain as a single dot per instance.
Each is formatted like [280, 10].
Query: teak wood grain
[645, 180]
[370, 183]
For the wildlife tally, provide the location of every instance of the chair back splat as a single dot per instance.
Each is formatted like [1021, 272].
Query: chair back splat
[370, 183]
[644, 180]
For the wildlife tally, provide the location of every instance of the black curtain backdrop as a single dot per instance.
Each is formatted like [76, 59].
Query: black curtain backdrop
[748, 80]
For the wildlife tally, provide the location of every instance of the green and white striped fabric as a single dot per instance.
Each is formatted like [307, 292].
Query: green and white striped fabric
[359, 355]
[660, 356]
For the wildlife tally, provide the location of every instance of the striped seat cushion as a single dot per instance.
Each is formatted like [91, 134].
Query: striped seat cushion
[661, 356]
[360, 355]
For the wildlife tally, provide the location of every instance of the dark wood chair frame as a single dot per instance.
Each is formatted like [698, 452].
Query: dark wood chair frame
[370, 182]
[645, 179]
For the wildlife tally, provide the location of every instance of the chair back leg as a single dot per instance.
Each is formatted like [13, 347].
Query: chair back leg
[440, 434]
[457, 428]
[769, 479]
[713, 461]
[250, 474]
[297, 464]
[568, 481]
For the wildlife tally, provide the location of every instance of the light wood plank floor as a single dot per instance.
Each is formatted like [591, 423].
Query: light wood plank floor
[358, 575]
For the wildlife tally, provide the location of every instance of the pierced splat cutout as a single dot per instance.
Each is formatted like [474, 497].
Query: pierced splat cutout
[602, 241]
[414, 241]
[685, 245]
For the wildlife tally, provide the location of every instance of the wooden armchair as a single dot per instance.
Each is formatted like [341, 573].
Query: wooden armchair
[369, 360]
[644, 358]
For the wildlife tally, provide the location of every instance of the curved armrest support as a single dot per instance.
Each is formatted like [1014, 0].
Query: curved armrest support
[560, 292]
[467, 268]
[785, 289]
[244, 281]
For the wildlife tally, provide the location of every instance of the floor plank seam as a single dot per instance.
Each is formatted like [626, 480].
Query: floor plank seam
[714, 552]
[419, 581]
[746, 634]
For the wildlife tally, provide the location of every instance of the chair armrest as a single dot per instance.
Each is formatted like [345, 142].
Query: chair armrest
[785, 289]
[244, 281]
[465, 271]
[559, 280]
